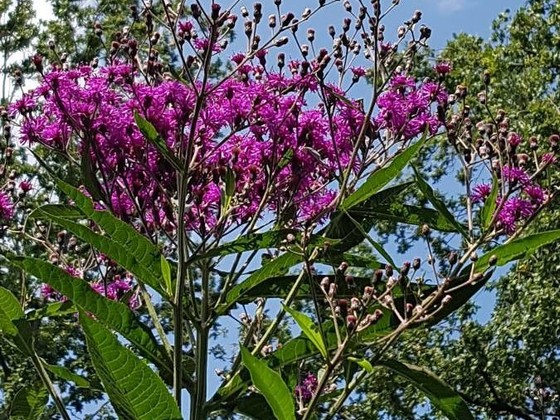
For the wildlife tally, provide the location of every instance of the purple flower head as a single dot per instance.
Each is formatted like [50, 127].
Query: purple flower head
[480, 193]
[25, 186]
[515, 175]
[514, 210]
[305, 389]
[443, 68]
[514, 139]
[6, 207]
[536, 194]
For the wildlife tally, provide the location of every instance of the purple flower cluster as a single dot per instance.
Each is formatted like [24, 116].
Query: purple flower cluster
[522, 201]
[305, 389]
[247, 125]
[405, 109]
[6, 207]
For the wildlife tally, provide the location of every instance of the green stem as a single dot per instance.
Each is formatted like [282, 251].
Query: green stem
[179, 291]
[49, 385]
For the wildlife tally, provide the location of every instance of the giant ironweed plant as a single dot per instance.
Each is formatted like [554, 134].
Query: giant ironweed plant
[223, 182]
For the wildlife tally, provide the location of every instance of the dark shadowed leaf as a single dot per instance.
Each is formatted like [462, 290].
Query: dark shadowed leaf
[151, 134]
[439, 393]
[438, 204]
[273, 268]
[29, 403]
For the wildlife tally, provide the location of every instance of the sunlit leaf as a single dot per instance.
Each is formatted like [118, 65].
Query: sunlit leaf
[121, 242]
[135, 391]
[270, 385]
[309, 328]
[383, 176]
[517, 249]
[487, 212]
[114, 315]
[363, 363]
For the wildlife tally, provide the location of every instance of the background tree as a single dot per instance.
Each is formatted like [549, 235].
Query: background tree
[507, 367]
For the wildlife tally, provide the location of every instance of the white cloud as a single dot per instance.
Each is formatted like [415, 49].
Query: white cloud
[451, 6]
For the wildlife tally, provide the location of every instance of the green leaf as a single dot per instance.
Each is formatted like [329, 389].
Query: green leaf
[250, 242]
[121, 242]
[279, 286]
[273, 268]
[67, 375]
[342, 227]
[487, 212]
[308, 328]
[377, 246]
[29, 402]
[271, 385]
[135, 391]
[253, 406]
[12, 325]
[442, 396]
[151, 134]
[9, 305]
[363, 363]
[410, 215]
[114, 315]
[166, 274]
[438, 204]
[383, 176]
[517, 249]
[52, 310]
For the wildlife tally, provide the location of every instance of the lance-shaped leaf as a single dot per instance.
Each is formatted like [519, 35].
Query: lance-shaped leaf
[67, 375]
[270, 385]
[120, 241]
[250, 242]
[11, 323]
[308, 328]
[383, 176]
[409, 215]
[9, 305]
[279, 287]
[487, 212]
[363, 363]
[151, 134]
[114, 315]
[30, 402]
[273, 268]
[52, 310]
[517, 249]
[135, 391]
[438, 204]
[442, 396]
[342, 226]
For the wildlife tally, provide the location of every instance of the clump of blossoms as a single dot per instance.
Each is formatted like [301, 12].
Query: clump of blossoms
[284, 154]
[246, 125]
[306, 388]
